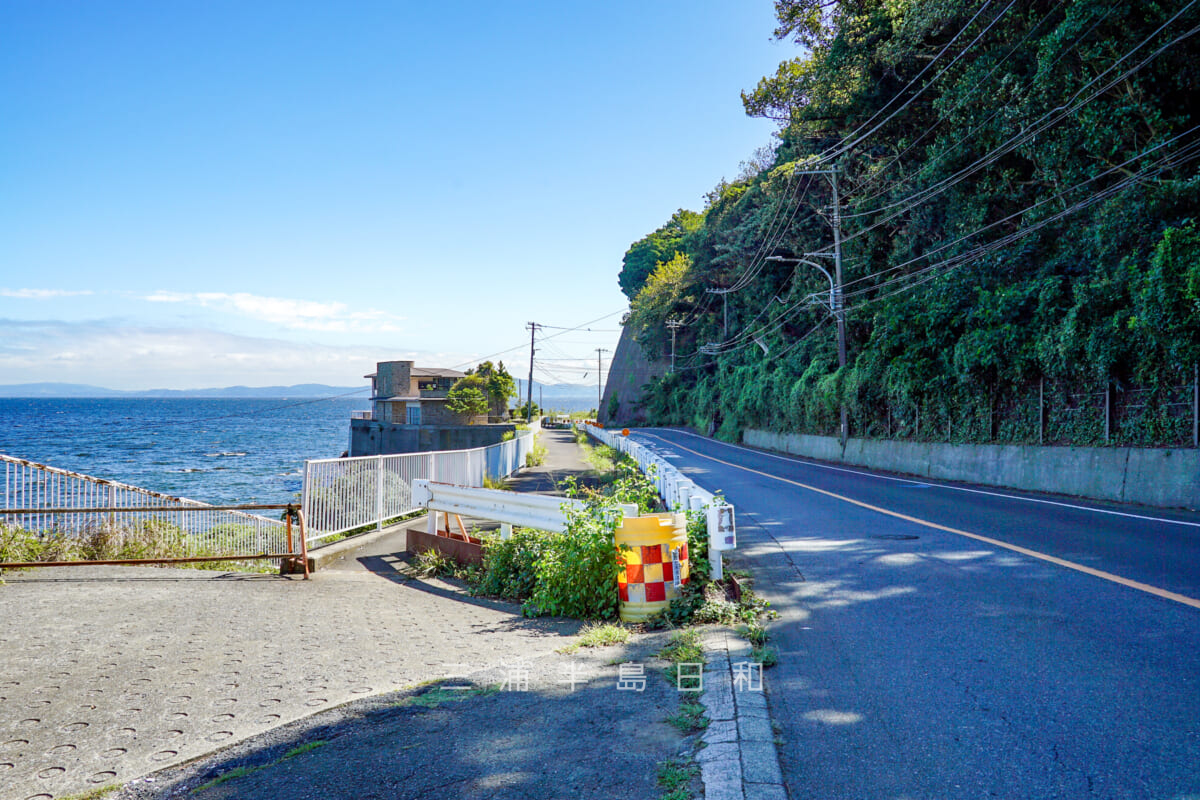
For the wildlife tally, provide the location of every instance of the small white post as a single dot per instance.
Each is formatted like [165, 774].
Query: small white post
[505, 531]
[716, 567]
[379, 493]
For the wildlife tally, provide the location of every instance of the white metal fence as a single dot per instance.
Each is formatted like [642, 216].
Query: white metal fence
[679, 492]
[41, 489]
[675, 489]
[349, 494]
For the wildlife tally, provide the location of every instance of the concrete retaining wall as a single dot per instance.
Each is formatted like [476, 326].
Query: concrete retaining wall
[1153, 477]
[371, 438]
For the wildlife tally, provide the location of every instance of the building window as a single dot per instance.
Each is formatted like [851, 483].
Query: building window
[414, 415]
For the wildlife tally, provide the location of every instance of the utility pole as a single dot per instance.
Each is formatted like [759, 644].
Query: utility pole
[724, 308]
[599, 385]
[673, 324]
[839, 311]
[533, 326]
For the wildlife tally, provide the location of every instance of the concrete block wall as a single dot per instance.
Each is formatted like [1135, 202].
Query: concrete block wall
[1149, 476]
[372, 438]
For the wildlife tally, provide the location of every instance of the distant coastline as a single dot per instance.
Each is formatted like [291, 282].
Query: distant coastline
[85, 391]
[552, 393]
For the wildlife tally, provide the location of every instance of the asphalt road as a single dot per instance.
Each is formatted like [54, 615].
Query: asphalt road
[948, 641]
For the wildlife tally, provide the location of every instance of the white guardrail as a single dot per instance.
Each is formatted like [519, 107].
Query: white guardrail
[541, 511]
[679, 492]
[346, 494]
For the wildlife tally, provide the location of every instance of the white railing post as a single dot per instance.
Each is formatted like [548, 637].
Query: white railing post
[378, 492]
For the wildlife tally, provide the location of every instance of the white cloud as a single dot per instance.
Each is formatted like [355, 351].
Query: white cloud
[287, 312]
[120, 356]
[42, 294]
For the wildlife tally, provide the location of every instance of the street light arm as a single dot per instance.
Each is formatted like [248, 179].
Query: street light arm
[825, 272]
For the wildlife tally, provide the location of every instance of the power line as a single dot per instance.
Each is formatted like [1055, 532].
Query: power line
[1058, 196]
[845, 145]
[1190, 152]
[878, 172]
[551, 336]
[1047, 120]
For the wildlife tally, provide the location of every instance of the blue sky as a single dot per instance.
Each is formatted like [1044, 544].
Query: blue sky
[214, 193]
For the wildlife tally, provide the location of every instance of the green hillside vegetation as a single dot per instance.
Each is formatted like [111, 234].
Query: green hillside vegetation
[1019, 211]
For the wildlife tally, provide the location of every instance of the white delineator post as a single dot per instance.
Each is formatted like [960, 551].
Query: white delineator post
[716, 568]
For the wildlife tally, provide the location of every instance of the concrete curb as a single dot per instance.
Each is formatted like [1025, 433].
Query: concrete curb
[739, 760]
[321, 557]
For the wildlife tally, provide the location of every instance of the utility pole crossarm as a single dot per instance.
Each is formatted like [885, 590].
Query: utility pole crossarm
[533, 327]
[674, 325]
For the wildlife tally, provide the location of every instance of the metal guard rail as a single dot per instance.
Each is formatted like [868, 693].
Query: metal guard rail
[543, 512]
[112, 511]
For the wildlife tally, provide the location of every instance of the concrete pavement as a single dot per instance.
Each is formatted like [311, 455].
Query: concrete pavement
[108, 674]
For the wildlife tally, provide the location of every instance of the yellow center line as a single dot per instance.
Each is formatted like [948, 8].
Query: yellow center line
[1108, 576]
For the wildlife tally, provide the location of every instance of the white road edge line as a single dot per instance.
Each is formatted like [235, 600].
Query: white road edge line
[935, 484]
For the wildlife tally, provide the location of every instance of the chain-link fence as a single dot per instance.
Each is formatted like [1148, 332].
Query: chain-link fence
[1046, 412]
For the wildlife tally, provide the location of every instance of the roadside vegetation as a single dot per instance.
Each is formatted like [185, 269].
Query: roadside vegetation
[119, 541]
[574, 573]
[537, 454]
[1019, 231]
[243, 771]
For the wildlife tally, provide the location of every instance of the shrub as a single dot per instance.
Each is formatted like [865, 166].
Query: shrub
[576, 573]
[536, 455]
[510, 565]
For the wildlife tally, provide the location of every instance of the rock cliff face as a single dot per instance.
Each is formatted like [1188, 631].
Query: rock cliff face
[629, 372]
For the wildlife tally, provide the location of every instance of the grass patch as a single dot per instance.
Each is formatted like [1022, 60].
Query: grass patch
[441, 694]
[767, 656]
[676, 777]
[494, 483]
[94, 794]
[233, 774]
[689, 718]
[304, 748]
[241, 772]
[598, 634]
[753, 633]
[537, 454]
[685, 651]
[434, 564]
[602, 458]
[684, 646]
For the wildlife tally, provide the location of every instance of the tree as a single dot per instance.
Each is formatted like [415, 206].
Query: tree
[654, 249]
[1007, 224]
[498, 386]
[467, 396]
[657, 301]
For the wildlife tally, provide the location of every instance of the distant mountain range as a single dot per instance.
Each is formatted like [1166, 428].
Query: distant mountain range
[70, 390]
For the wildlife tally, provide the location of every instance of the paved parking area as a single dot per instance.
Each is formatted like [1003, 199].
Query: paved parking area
[111, 673]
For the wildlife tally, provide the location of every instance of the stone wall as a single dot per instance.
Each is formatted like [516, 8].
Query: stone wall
[628, 372]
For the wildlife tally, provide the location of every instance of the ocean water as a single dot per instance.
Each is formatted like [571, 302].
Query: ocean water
[221, 451]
